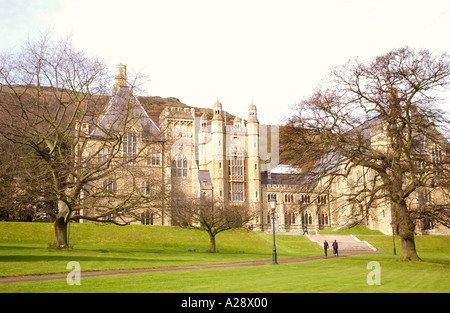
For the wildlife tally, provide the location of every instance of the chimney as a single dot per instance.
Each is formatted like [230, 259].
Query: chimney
[121, 77]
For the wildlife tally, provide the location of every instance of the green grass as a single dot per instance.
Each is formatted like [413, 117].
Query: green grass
[24, 250]
[432, 249]
[25, 247]
[347, 274]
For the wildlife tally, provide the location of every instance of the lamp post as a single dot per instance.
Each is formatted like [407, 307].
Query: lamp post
[393, 237]
[273, 203]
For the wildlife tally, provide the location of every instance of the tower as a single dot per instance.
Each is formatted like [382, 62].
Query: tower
[218, 153]
[254, 173]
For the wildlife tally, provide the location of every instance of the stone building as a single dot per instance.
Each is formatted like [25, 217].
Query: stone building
[188, 155]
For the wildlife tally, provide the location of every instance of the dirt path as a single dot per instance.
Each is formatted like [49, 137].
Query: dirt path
[16, 279]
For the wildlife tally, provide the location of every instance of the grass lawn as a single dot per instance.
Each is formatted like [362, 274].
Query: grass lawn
[25, 247]
[24, 250]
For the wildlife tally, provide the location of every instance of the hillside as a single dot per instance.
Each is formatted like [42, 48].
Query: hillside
[154, 105]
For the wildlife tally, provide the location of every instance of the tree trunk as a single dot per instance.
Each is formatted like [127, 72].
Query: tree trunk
[406, 231]
[60, 225]
[408, 249]
[212, 243]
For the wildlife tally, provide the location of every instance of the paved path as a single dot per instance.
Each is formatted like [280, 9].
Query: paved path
[347, 247]
[346, 243]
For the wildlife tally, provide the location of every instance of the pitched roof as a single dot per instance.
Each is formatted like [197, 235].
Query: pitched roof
[124, 113]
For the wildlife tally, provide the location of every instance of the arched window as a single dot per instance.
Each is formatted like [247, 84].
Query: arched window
[154, 157]
[179, 166]
[289, 218]
[110, 186]
[307, 218]
[147, 218]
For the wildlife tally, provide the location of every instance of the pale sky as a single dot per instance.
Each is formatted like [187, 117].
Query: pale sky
[270, 52]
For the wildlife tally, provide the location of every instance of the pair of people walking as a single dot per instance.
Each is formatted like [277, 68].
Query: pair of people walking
[335, 247]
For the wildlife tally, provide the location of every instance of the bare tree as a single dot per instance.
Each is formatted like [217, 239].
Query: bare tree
[22, 185]
[212, 217]
[51, 98]
[377, 125]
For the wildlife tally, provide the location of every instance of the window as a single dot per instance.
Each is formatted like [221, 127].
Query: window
[103, 154]
[147, 188]
[305, 199]
[289, 218]
[288, 198]
[153, 157]
[323, 218]
[179, 166]
[322, 199]
[306, 218]
[425, 197]
[236, 192]
[129, 148]
[428, 224]
[436, 155]
[236, 167]
[110, 186]
[236, 187]
[147, 218]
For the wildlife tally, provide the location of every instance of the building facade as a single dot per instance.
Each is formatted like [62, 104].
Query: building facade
[188, 155]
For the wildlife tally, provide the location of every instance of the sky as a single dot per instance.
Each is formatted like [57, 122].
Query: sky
[271, 53]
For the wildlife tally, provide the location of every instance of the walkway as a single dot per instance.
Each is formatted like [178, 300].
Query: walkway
[346, 243]
[347, 246]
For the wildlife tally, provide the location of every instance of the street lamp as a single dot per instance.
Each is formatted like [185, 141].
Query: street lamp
[393, 237]
[273, 204]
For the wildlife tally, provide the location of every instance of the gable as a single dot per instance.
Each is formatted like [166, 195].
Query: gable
[125, 113]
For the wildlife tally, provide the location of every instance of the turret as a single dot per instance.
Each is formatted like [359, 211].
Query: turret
[217, 110]
[252, 116]
[218, 152]
[254, 173]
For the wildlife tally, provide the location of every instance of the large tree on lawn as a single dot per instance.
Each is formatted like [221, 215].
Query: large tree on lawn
[396, 97]
[49, 90]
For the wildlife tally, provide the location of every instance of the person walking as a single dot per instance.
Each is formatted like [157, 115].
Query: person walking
[305, 231]
[325, 247]
[335, 248]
